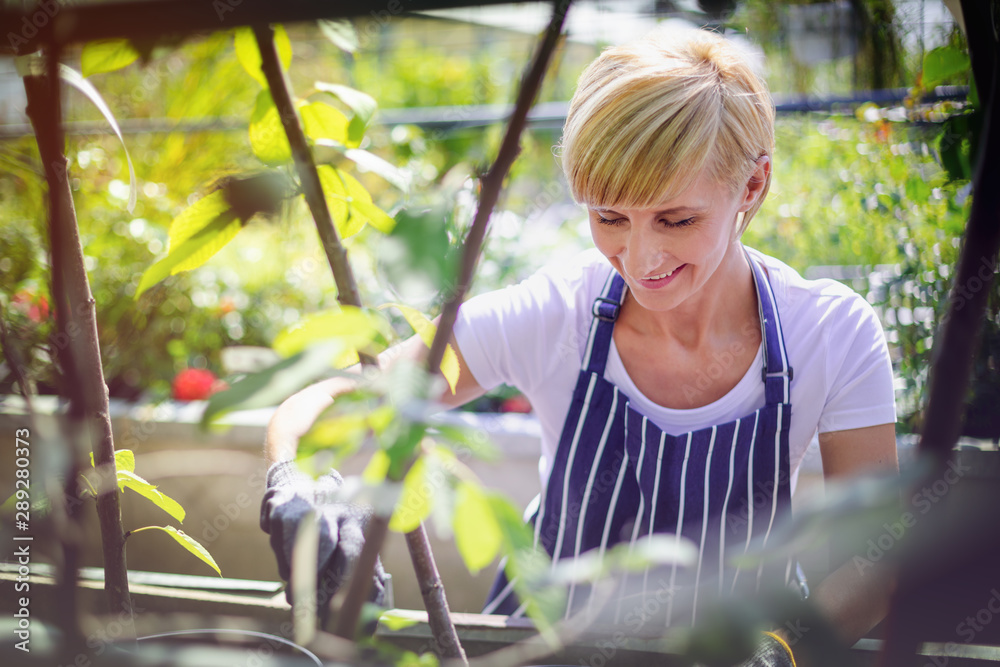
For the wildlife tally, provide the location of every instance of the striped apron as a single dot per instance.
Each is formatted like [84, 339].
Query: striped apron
[617, 478]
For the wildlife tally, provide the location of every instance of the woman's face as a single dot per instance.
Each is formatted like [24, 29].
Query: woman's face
[668, 253]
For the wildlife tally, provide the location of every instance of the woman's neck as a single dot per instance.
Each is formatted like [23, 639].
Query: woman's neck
[720, 308]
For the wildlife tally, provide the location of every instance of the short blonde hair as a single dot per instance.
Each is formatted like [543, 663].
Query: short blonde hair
[647, 117]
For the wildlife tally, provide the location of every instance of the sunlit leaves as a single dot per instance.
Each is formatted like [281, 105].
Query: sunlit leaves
[426, 329]
[107, 56]
[196, 235]
[274, 384]
[341, 33]
[327, 152]
[130, 480]
[249, 55]
[943, 63]
[350, 204]
[477, 534]
[415, 502]
[186, 541]
[267, 135]
[362, 104]
[353, 327]
[322, 121]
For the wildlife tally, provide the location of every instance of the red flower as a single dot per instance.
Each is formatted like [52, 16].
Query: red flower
[34, 306]
[196, 384]
[516, 404]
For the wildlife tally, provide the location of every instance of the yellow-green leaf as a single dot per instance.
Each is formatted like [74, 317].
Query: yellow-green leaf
[322, 121]
[415, 502]
[352, 326]
[202, 230]
[424, 328]
[249, 55]
[124, 460]
[377, 468]
[477, 533]
[345, 198]
[400, 619]
[107, 56]
[336, 433]
[267, 135]
[132, 481]
[187, 542]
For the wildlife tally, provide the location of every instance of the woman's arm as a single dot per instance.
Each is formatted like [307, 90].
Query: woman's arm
[853, 601]
[297, 414]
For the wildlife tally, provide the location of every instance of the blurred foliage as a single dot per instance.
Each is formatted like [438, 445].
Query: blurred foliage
[864, 190]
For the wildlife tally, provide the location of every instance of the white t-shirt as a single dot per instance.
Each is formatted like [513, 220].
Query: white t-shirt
[532, 336]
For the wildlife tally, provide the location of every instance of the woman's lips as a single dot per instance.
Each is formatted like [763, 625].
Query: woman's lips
[661, 280]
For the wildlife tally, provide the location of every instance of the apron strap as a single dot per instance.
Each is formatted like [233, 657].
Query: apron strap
[605, 311]
[776, 372]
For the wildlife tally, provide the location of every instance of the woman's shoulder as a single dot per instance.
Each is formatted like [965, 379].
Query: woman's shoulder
[823, 311]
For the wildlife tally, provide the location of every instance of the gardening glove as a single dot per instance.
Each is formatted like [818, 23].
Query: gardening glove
[289, 497]
[773, 651]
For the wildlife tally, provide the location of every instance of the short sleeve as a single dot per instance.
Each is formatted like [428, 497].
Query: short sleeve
[515, 335]
[861, 390]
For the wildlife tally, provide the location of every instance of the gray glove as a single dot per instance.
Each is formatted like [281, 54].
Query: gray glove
[771, 652]
[290, 495]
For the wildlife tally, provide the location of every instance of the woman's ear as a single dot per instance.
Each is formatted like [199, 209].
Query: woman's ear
[756, 182]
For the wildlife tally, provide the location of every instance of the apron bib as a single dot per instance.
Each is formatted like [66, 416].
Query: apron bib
[616, 478]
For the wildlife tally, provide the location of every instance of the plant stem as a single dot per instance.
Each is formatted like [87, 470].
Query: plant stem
[956, 345]
[444, 636]
[336, 254]
[77, 347]
[492, 182]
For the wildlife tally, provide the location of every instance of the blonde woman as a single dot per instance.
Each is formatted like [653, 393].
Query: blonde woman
[678, 376]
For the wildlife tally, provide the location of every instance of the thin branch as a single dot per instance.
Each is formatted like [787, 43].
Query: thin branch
[493, 181]
[79, 356]
[336, 254]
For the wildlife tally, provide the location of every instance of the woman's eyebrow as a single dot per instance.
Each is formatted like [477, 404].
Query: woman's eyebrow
[667, 211]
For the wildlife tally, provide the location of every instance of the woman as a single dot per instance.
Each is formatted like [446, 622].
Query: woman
[678, 376]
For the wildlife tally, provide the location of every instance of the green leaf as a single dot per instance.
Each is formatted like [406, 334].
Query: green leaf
[132, 481]
[415, 501]
[942, 63]
[353, 327]
[377, 468]
[362, 104]
[267, 135]
[124, 460]
[274, 384]
[341, 33]
[107, 56]
[206, 227]
[350, 204]
[73, 78]
[477, 534]
[400, 619]
[322, 121]
[328, 152]
[187, 542]
[426, 329]
[248, 53]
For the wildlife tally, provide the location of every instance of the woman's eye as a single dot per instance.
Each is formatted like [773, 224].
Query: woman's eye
[679, 223]
[613, 222]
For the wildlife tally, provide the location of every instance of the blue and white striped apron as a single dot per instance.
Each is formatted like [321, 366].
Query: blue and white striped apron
[617, 477]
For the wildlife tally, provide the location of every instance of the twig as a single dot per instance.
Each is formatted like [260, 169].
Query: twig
[443, 632]
[78, 351]
[493, 181]
[958, 341]
[336, 254]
